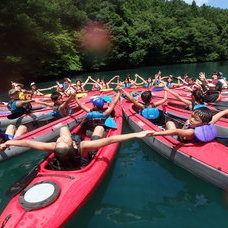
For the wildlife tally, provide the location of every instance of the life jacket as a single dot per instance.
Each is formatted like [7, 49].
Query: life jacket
[150, 113]
[77, 162]
[5, 136]
[25, 109]
[198, 106]
[169, 84]
[127, 85]
[205, 133]
[147, 85]
[98, 118]
[58, 114]
[157, 82]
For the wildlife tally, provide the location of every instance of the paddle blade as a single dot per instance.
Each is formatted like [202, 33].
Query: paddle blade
[19, 185]
[110, 122]
[205, 133]
[107, 99]
[158, 89]
[14, 115]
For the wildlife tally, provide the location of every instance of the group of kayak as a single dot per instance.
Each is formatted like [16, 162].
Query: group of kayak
[88, 126]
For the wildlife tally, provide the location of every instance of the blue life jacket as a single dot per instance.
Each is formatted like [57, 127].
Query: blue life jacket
[205, 133]
[169, 85]
[103, 120]
[150, 113]
[147, 85]
[56, 113]
[198, 106]
[95, 115]
[5, 136]
[25, 109]
[127, 85]
[157, 82]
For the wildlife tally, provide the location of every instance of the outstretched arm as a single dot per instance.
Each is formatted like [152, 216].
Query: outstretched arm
[141, 78]
[188, 133]
[49, 88]
[187, 102]
[49, 147]
[44, 103]
[82, 106]
[219, 115]
[162, 100]
[117, 76]
[21, 103]
[132, 99]
[86, 146]
[113, 104]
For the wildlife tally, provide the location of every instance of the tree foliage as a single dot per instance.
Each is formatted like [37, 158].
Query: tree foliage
[41, 38]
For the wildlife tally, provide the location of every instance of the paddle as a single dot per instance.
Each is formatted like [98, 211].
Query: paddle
[221, 105]
[19, 185]
[15, 115]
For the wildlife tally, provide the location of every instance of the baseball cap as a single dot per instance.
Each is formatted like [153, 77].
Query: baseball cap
[32, 83]
[98, 102]
[67, 79]
[12, 91]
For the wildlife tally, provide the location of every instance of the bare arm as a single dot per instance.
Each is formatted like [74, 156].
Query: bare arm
[162, 100]
[82, 106]
[113, 78]
[187, 102]
[132, 99]
[141, 78]
[86, 146]
[86, 81]
[44, 103]
[113, 104]
[44, 89]
[219, 115]
[49, 147]
[188, 133]
[21, 103]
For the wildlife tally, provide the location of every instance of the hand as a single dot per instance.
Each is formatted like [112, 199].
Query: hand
[145, 133]
[3, 146]
[179, 77]
[36, 100]
[166, 88]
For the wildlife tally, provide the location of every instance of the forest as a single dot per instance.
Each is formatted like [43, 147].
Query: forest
[42, 39]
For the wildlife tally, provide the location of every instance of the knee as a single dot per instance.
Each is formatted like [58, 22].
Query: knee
[23, 128]
[11, 127]
[170, 125]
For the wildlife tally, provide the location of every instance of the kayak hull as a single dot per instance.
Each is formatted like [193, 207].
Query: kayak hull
[208, 161]
[75, 188]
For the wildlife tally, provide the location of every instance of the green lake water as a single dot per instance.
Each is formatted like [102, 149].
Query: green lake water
[141, 189]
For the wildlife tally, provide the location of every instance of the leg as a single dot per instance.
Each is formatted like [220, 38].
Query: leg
[170, 125]
[21, 130]
[64, 131]
[97, 134]
[10, 130]
[98, 131]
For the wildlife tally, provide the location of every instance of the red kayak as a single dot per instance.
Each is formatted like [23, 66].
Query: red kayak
[60, 193]
[177, 109]
[206, 160]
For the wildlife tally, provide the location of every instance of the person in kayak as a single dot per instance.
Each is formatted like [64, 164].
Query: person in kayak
[16, 106]
[146, 83]
[65, 148]
[98, 115]
[12, 132]
[198, 128]
[37, 92]
[196, 102]
[147, 109]
[60, 107]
